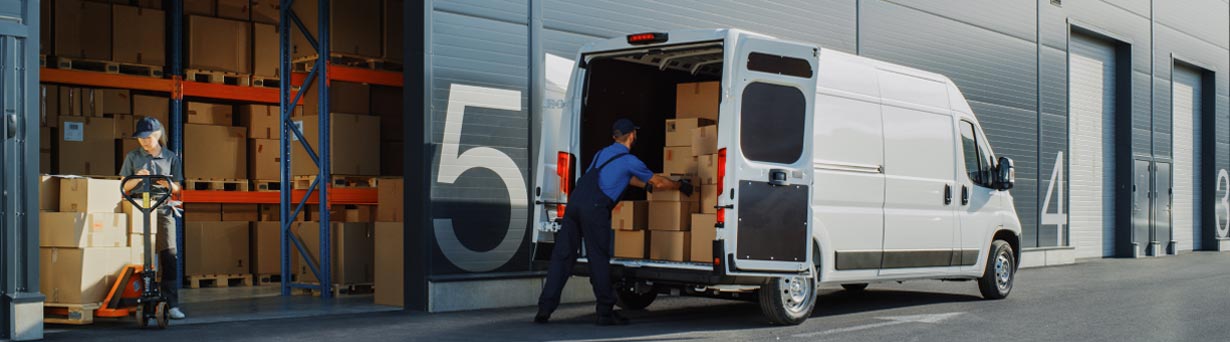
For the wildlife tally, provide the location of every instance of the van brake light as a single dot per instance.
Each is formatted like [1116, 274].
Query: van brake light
[563, 169]
[721, 185]
[647, 38]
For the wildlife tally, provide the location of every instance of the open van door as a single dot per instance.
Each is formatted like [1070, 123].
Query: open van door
[557, 161]
[765, 157]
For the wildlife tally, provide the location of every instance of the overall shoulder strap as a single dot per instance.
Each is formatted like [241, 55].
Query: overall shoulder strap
[608, 161]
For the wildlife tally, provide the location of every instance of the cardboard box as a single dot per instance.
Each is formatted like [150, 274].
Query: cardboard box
[344, 97]
[703, 233]
[79, 275]
[266, 161]
[353, 254]
[86, 195]
[354, 213]
[139, 35]
[388, 105]
[265, 59]
[678, 160]
[136, 219]
[671, 246]
[267, 11]
[80, 129]
[261, 121]
[670, 216]
[216, 248]
[200, 7]
[49, 193]
[697, 100]
[202, 212]
[210, 113]
[355, 145]
[125, 125]
[708, 198]
[389, 263]
[267, 249]
[234, 9]
[704, 140]
[392, 157]
[393, 30]
[679, 131]
[136, 248]
[217, 44]
[93, 158]
[631, 244]
[112, 102]
[82, 29]
[127, 145]
[706, 169]
[272, 213]
[215, 152]
[630, 215]
[80, 230]
[673, 195]
[49, 105]
[389, 197]
[239, 212]
[44, 162]
[152, 106]
[355, 28]
[70, 101]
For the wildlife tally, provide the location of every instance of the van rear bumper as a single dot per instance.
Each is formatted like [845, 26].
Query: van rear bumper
[668, 273]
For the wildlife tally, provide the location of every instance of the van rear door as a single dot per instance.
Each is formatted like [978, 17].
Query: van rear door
[557, 160]
[765, 150]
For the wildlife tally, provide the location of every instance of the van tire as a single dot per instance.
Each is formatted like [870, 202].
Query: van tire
[782, 311]
[854, 288]
[629, 300]
[1000, 273]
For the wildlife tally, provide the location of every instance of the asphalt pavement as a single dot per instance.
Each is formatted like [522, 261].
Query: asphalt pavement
[1175, 298]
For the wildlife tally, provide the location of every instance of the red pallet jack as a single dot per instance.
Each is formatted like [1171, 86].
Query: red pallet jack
[137, 290]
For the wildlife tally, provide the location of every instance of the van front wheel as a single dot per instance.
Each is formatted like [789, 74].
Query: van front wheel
[1000, 273]
[789, 300]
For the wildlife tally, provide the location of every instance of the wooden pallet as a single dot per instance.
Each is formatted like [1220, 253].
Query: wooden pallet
[219, 280]
[109, 67]
[338, 289]
[267, 185]
[218, 77]
[218, 184]
[74, 314]
[266, 279]
[267, 82]
[305, 64]
[304, 182]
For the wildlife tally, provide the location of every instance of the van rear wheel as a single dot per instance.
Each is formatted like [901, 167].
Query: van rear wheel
[789, 300]
[630, 300]
[1000, 273]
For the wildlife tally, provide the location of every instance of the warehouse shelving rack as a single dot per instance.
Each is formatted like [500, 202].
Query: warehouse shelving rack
[284, 96]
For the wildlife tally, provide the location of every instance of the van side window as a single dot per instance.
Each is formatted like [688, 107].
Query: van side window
[771, 122]
[969, 150]
[986, 160]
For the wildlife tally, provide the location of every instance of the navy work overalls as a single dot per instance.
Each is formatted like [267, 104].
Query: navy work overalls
[588, 216]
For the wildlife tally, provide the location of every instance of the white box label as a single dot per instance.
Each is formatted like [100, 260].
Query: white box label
[74, 131]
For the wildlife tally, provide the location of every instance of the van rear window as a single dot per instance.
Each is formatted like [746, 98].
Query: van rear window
[772, 119]
[781, 65]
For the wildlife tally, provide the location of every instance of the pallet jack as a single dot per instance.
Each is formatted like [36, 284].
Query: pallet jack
[137, 289]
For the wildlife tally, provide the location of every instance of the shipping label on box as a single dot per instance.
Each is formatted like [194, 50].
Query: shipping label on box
[697, 100]
[631, 244]
[73, 130]
[670, 216]
[679, 131]
[80, 230]
[670, 246]
[704, 140]
[85, 195]
[706, 169]
[703, 233]
[630, 215]
[708, 198]
[678, 160]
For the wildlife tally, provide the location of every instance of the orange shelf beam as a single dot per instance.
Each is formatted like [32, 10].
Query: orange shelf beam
[357, 75]
[336, 196]
[230, 92]
[104, 80]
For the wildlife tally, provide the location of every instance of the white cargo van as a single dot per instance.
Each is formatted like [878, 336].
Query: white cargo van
[832, 169]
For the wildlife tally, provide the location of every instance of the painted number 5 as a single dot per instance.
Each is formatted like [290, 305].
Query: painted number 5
[453, 163]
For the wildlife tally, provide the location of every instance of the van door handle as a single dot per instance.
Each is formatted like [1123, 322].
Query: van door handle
[947, 194]
[964, 194]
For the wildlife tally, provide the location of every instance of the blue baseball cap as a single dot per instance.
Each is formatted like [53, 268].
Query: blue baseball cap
[623, 126]
[147, 126]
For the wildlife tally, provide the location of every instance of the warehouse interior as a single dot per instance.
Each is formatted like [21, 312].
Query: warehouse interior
[217, 74]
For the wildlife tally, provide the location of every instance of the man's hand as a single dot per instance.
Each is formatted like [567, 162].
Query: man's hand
[685, 186]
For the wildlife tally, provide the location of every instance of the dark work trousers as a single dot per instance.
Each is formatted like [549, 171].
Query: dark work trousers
[588, 218]
[167, 256]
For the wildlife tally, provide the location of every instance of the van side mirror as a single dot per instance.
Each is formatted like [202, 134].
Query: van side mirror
[1005, 174]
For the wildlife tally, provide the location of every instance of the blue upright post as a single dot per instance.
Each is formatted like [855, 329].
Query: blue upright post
[322, 63]
[177, 120]
[284, 76]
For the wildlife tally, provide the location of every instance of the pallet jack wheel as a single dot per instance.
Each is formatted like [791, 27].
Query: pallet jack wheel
[162, 315]
[142, 321]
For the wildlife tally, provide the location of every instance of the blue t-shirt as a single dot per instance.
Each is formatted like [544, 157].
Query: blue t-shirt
[614, 178]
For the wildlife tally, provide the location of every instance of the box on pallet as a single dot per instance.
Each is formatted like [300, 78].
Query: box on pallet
[265, 59]
[355, 145]
[678, 160]
[352, 251]
[389, 263]
[152, 106]
[697, 100]
[389, 199]
[679, 131]
[670, 216]
[202, 212]
[216, 248]
[87, 146]
[239, 212]
[112, 101]
[630, 215]
[79, 275]
[217, 44]
[215, 152]
[210, 113]
[80, 230]
[82, 29]
[139, 35]
[703, 233]
[670, 245]
[631, 244]
[267, 249]
[354, 28]
[265, 159]
[262, 121]
[86, 195]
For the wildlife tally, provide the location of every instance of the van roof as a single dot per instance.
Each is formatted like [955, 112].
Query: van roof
[676, 36]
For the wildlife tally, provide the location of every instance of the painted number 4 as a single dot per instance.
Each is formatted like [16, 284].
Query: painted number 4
[1055, 186]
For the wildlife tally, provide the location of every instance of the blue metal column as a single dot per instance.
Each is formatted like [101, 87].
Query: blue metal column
[177, 120]
[284, 146]
[326, 226]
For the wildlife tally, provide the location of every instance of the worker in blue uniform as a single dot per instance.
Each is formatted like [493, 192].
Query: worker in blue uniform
[588, 217]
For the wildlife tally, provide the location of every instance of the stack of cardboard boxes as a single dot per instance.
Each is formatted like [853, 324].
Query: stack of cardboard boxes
[84, 240]
[96, 30]
[390, 232]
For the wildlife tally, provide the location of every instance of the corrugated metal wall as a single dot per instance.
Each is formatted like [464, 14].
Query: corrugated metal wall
[1008, 57]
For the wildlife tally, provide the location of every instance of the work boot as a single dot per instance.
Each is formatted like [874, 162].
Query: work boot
[613, 318]
[542, 317]
[176, 314]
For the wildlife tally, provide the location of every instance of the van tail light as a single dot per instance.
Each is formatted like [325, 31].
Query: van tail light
[721, 185]
[563, 169]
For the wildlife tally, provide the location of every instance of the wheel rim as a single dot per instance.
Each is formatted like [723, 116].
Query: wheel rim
[1003, 272]
[796, 293]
